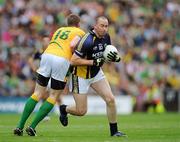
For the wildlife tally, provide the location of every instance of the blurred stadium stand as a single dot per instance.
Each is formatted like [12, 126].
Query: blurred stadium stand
[147, 33]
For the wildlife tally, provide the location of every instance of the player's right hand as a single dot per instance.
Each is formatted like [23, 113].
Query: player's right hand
[113, 57]
[98, 62]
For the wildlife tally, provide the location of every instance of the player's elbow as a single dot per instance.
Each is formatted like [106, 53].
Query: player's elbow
[72, 62]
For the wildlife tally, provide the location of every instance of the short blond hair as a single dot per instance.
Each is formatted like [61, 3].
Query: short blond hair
[73, 20]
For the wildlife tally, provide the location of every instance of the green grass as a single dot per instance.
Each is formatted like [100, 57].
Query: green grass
[139, 128]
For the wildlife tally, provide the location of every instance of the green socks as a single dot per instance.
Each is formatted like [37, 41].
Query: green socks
[45, 108]
[29, 107]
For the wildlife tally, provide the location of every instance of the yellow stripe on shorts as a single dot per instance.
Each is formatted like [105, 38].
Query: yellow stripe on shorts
[75, 84]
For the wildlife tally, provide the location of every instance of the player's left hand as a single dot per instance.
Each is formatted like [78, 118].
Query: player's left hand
[98, 62]
[113, 57]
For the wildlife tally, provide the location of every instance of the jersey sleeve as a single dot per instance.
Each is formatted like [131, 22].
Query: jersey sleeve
[83, 46]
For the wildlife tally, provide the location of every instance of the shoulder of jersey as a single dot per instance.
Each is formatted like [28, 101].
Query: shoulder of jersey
[88, 38]
[80, 30]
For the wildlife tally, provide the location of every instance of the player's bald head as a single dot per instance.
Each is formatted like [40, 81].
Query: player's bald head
[101, 18]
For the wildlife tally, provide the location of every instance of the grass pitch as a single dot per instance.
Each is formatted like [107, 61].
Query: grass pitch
[139, 127]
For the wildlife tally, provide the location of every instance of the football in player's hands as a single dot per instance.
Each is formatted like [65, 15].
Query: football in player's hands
[113, 57]
[111, 54]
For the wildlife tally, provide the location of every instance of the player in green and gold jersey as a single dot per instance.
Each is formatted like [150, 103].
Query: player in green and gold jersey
[55, 62]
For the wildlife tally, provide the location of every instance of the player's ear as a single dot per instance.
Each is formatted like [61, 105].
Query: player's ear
[94, 26]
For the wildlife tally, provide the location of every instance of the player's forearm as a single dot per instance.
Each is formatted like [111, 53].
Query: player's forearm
[31, 64]
[78, 61]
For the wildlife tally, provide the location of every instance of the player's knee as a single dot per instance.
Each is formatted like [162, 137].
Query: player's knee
[110, 100]
[40, 92]
[44, 95]
[55, 93]
[81, 112]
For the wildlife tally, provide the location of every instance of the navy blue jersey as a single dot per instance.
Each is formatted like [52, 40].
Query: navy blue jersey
[90, 47]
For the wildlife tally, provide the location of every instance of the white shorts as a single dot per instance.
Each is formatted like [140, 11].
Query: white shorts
[80, 85]
[53, 66]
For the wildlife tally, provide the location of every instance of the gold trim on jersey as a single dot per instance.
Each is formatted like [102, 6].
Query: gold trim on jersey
[82, 41]
[82, 71]
[94, 38]
[75, 84]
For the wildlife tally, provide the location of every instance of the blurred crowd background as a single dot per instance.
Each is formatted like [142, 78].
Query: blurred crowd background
[146, 32]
